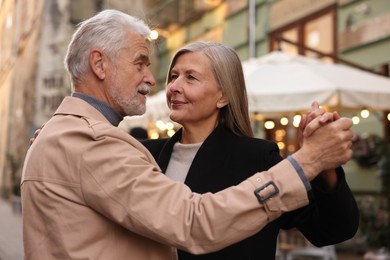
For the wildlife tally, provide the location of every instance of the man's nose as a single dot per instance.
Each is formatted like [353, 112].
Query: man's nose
[149, 78]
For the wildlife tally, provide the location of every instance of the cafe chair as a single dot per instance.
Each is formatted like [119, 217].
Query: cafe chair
[325, 253]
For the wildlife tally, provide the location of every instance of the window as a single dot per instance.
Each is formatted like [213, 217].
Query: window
[314, 35]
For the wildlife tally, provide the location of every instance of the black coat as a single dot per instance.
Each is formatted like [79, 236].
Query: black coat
[225, 159]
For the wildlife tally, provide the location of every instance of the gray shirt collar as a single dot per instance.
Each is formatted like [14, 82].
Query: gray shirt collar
[113, 116]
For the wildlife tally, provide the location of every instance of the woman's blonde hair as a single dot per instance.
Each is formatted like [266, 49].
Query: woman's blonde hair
[227, 69]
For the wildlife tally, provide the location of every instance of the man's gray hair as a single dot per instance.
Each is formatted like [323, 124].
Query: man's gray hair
[105, 31]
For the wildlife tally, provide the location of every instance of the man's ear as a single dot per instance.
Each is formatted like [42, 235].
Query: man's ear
[97, 63]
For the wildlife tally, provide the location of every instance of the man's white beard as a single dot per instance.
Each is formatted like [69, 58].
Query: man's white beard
[131, 105]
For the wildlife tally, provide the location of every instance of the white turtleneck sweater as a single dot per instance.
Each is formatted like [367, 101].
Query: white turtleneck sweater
[181, 159]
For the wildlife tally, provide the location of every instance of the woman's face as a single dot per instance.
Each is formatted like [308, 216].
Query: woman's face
[192, 92]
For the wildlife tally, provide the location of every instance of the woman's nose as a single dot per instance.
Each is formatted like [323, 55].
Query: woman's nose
[175, 85]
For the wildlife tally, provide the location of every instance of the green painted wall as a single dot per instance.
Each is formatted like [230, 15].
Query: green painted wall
[370, 55]
[236, 33]
[373, 53]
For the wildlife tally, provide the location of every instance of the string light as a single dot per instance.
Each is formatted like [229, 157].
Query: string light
[153, 35]
[269, 124]
[297, 120]
[324, 107]
[364, 113]
[355, 120]
[280, 135]
[281, 145]
[158, 33]
[169, 126]
[284, 121]
[160, 125]
[259, 117]
[153, 134]
[291, 148]
[171, 132]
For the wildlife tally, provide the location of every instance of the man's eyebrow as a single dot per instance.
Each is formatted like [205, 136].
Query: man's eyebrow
[143, 57]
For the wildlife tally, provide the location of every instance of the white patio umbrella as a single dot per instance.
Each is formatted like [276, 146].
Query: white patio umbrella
[280, 82]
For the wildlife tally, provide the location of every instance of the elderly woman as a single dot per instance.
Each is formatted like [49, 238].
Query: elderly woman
[215, 149]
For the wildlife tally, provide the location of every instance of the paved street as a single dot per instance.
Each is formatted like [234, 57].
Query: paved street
[11, 244]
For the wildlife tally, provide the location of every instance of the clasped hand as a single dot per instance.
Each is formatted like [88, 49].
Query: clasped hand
[325, 139]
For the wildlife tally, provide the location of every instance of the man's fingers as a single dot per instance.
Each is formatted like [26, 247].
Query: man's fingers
[330, 117]
[303, 122]
[314, 106]
[316, 123]
[336, 116]
[314, 111]
[311, 127]
[36, 133]
[344, 123]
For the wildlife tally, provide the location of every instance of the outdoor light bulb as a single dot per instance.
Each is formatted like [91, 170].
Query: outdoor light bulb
[314, 38]
[170, 132]
[278, 138]
[326, 108]
[280, 133]
[291, 148]
[259, 117]
[388, 116]
[297, 120]
[364, 113]
[355, 120]
[154, 135]
[269, 125]
[169, 126]
[153, 35]
[281, 145]
[284, 121]
[160, 124]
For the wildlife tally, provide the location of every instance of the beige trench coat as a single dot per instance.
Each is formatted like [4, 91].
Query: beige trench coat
[91, 191]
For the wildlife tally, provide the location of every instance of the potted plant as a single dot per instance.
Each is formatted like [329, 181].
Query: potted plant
[378, 229]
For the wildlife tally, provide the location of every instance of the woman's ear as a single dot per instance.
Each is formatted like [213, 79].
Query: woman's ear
[223, 101]
[96, 62]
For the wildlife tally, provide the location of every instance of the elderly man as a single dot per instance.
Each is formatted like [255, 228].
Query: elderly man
[91, 191]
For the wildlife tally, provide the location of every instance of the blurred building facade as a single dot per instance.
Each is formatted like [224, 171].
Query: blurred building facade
[353, 32]
[35, 34]
[33, 41]
[19, 25]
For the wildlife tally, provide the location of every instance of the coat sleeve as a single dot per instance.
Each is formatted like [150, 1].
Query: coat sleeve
[120, 180]
[330, 218]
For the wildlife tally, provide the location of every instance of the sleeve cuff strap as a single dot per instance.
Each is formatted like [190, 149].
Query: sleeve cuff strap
[300, 172]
